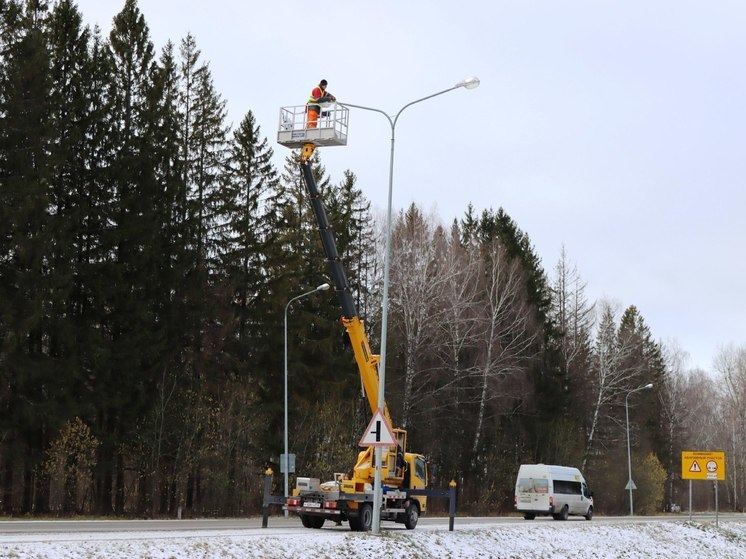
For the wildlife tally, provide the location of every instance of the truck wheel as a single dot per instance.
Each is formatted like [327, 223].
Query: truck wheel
[529, 516]
[365, 520]
[411, 516]
[310, 521]
[589, 514]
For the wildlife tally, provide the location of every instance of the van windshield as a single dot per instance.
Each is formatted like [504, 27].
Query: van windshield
[531, 485]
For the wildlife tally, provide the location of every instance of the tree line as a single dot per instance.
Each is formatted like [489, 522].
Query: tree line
[147, 255]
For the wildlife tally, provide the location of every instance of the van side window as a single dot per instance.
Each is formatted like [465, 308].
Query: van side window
[567, 487]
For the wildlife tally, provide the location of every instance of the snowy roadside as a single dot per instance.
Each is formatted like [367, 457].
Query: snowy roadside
[669, 540]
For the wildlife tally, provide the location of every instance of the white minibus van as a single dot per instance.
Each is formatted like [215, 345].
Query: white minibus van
[543, 489]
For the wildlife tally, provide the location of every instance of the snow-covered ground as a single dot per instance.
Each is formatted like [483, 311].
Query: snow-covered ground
[540, 540]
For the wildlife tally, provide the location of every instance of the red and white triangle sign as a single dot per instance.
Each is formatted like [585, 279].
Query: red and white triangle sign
[379, 432]
[695, 467]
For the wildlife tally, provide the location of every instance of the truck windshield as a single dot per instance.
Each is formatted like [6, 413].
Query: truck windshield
[531, 485]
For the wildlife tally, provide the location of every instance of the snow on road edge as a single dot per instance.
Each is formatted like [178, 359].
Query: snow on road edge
[521, 541]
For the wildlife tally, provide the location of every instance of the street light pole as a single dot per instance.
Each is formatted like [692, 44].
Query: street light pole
[469, 83]
[322, 287]
[630, 483]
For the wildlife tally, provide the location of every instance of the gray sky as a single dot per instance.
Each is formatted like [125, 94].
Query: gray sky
[616, 128]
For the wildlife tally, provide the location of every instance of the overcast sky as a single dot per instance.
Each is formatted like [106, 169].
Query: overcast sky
[614, 128]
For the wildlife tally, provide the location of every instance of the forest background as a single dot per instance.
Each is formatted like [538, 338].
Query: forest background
[148, 251]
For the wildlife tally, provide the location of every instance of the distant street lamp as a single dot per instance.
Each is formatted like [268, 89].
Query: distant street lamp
[469, 83]
[630, 483]
[322, 287]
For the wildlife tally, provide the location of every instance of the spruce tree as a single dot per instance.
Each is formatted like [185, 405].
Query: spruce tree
[646, 358]
[136, 337]
[245, 209]
[204, 137]
[26, 281]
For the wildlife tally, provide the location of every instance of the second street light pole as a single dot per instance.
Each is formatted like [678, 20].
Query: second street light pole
[285, 462]
[469, 83]
[630, 483]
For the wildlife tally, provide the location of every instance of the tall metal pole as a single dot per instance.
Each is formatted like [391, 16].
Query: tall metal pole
[630, 483]
[629, 456]
[286, 465]
[470, 83]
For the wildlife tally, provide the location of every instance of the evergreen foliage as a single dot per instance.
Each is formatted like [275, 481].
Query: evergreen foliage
[148, 253]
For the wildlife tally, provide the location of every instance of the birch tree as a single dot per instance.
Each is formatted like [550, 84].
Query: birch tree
[613, 372]
[458, 329]
[507, 333]
[730, 364]
[417, 285]
[674, 411]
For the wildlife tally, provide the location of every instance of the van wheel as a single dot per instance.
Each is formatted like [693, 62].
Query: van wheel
[589, 514]
[529, 516]
[564, 513]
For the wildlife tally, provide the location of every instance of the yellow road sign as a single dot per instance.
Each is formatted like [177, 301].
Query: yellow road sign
[697, 464]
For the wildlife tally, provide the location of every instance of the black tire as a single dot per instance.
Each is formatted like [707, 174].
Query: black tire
[589, 514]
[411, 516]
[310, 521]
[529, 516]
[365, 518]
[564, 513]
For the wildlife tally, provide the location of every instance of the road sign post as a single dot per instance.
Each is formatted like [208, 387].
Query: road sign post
[378, 435]
[707, 465]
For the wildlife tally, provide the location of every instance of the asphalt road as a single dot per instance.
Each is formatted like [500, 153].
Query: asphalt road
[293, 523]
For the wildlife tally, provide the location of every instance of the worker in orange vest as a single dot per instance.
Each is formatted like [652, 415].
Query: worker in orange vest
[313, 106]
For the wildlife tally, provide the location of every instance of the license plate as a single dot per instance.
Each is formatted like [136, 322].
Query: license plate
[312, 505]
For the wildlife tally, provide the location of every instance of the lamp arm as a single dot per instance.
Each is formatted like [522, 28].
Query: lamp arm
[423, 99]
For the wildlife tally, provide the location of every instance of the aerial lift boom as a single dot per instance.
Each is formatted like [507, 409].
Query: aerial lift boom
[348, 497]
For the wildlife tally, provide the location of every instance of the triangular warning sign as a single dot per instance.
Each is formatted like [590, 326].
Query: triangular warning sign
[379, 432]
[695, 467]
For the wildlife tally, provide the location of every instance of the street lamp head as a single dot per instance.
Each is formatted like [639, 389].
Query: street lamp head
[469, 83]
[325, 286]
[649, 385]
